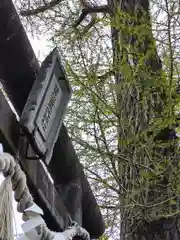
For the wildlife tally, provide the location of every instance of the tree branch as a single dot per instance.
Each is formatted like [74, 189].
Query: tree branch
[101, 180]
[40, 9]
[91, 9]
[89, 26]
[106, 75]
[111, 207]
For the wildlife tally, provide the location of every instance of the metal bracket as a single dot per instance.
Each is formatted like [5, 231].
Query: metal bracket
[22, 135]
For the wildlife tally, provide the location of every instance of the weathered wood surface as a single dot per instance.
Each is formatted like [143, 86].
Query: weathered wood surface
[41, 187]
[18, 68]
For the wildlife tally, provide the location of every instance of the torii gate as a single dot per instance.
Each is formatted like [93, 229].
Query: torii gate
[70, 194]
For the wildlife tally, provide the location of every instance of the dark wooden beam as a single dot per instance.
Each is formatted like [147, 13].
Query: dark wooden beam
[41, 187]
[18, 69]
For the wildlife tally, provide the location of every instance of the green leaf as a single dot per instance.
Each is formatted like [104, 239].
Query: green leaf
[145, 174]
[172, 202]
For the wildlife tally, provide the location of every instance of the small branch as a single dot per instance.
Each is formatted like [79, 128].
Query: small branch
[108, 207]
[98, 9]
[98, 178]
[40, 9]
[89, 26]
[106, 75]
[91, 9]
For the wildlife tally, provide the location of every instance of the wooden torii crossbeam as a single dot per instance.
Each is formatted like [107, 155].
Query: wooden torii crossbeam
[70, 193]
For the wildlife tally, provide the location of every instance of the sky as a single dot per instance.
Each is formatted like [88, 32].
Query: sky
[40, 46]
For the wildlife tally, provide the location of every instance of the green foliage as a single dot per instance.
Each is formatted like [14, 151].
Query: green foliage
[104, 237]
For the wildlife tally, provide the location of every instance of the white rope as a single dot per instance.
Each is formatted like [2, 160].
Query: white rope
[25, 201]
[21, 192]
[6, 210]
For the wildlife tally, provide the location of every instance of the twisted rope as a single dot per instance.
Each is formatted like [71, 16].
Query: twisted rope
[9, 167]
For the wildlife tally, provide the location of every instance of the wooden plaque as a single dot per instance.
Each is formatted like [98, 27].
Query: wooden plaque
[46, 105]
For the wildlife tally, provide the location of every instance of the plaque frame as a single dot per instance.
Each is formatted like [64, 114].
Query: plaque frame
[46, 106]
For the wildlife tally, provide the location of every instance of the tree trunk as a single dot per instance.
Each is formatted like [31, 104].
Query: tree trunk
[129, 107]
[165, 229]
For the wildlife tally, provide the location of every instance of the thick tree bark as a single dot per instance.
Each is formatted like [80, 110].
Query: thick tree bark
[163, 229]
[167, 228]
